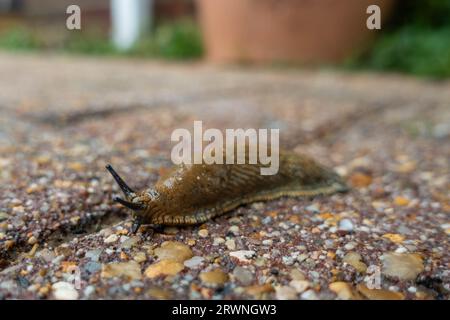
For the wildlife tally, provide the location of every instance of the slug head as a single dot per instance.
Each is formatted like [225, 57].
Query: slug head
[133, 201]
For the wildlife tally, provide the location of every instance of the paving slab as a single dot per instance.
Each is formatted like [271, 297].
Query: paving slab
[64, 118]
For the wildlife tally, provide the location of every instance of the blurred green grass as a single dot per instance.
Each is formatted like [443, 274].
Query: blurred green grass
[413, 50]
[179, 40]
[416, 41]
[18, 38]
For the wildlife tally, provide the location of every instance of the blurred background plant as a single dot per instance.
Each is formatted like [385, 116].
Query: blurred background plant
[173, 40]
[18, 38]
[416, 41]
[28, 25]
[179, 40]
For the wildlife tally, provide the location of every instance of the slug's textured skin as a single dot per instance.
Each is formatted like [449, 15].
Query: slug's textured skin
[192, 194]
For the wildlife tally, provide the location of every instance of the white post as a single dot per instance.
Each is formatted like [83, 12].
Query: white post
[130, 19]
[5, 5]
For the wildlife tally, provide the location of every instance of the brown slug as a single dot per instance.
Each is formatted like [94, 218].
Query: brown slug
[192, 194]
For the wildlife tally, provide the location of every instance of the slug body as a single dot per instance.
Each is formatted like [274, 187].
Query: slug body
[192, 194]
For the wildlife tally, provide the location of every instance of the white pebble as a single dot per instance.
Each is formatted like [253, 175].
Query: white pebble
[230, 244]
[346, 225]
[288, 260]
[445, 226]
[234, 230]
[123, 239]
[299, 285]
[309, 295]
[64, 291]
[412, 289]
[194, 262]
[203, 233]
[88, 291]
[350, 246]
[243, 255]
[112, 238]
[401, 250]
[285, 293]
[218, 241]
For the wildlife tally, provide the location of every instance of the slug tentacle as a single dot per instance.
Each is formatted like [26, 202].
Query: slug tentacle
[130, 205]
[123, 186]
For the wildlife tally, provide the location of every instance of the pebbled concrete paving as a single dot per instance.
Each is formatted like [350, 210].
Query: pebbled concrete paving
[63, 118]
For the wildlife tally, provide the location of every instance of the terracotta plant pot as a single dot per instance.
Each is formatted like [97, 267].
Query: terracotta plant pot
[305, 31]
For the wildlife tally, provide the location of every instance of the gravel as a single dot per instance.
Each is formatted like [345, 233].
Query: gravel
[385, 239]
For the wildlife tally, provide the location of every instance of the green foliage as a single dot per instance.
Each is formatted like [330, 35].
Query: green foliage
[413, 50]
[422, 13]
[179, 40]
[175, 40]
[88, 44]
[18, 39]
[417, 41]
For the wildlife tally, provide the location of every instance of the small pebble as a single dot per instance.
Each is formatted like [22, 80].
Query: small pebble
[164, 268]
[64, 291]
[405, 266]
[234, 230]
[140, 257]
[203, 233]
[243, 275]
[288, 260]
[343, 290]
[130, 242]
[395, 238]
[379, 294]
[302, 257]
[297, 275]
[313, 208]
[354, 259]
[46, 255]
[401, 250]
[412, 289]
[214, 278]
[217, 241]
[88, 291]
[243, 255]
[92, 267]
[299, 285]
[258, 291]
[267, 220]
[111, 238]
[309, 295]
[350, 246]
[3, 216]
[32, 240]
[173, 250]
[194, 262]
[346, 225]
[93, 255]
[285, 293]
[230, 244]
[130, 270]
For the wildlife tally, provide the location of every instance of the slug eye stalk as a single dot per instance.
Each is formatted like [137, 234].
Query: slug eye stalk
[128, 192]
[134, 206]
[128, 204]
